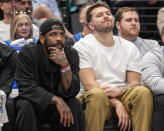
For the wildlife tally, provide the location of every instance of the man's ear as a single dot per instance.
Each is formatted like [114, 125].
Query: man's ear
[81, 19]
[41, 39]
[118, 25]
[90, 25]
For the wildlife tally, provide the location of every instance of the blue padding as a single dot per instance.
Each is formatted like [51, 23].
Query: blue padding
[14, 85]
[17, 48]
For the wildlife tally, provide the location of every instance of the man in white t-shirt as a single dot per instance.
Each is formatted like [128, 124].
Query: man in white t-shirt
[110, 73]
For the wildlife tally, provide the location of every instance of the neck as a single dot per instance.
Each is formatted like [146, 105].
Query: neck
[85, 31]
[129, 38]
[105, 38]
[7, 19]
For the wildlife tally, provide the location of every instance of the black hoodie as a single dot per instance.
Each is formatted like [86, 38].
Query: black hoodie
[8, 59]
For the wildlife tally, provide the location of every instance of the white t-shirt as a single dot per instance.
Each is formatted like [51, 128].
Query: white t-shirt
[5, 31]
[109, 63]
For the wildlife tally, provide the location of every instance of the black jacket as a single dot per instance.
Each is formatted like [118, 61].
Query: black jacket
[39, 79]
[8, 59]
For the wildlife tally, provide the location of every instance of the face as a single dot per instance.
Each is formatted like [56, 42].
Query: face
[54, 38]
[23, 28]
[129, 25]
[26, 5]
[10, 6]
[102, 20]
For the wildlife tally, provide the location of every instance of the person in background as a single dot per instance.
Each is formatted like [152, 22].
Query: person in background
[160, 23]
[21, 29]
[9, 7]
[51, 4]
[48, 82]
[110, 72]
[8, 60]
[128, 25]
[40, 14]
[152, 66]
[82, 18]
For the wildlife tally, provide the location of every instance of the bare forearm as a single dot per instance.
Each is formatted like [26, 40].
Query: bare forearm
[114, 102]
[67, 79]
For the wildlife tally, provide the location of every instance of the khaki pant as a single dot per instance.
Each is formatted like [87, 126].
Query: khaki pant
[138, 101]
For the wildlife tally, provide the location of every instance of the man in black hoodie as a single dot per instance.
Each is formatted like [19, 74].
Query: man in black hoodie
[8, 59]
[48, 82]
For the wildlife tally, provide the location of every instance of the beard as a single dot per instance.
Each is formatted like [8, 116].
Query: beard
[52, 45]
[100, 28]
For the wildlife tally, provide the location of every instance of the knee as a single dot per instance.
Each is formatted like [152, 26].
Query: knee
[75, 105]
[96, 93]
[146, 96]
[10, 105]
[23, 105]
[146, 93]
[97, 97]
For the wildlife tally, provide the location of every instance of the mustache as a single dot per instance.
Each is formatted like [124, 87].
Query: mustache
[56, 44]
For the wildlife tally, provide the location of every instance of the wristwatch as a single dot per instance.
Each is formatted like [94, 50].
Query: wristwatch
[122, 89]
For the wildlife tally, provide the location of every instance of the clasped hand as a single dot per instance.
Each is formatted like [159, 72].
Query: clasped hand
[111, 91]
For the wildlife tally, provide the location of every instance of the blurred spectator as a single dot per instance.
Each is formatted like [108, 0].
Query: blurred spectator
[52, 4]
[152, 66]
[160, 23]
[8, 59]
[9, 7]
[20, 27]
[82, 19]
[40, 14]
[128, 25]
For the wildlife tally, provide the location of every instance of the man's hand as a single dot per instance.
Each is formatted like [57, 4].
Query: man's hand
[123, 116]
[66, 117]
[111, 91]
[58, 56]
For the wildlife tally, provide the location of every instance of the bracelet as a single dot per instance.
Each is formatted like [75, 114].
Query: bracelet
[65, 69]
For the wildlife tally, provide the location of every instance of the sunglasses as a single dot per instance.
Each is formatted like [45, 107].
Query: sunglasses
[28, 12]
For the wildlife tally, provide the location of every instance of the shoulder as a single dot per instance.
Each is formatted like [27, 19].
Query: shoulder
[147, 41]
[155, 56]
[127, 45]
[6, 51]
[5, 48]
[69, 50]
[31, 47]
[86, 42]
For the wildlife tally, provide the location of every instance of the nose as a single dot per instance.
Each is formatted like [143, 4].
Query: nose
[133, 21]
[13, 2]
[59, 38]
[24, 26]
[27, 6]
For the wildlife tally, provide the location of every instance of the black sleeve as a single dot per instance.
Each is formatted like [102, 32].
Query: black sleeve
[73, 59]
[7, 73]
[29, 88]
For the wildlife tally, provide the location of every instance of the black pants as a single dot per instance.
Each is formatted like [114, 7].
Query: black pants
[29, 119]
[158, 114]
[11, 112]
